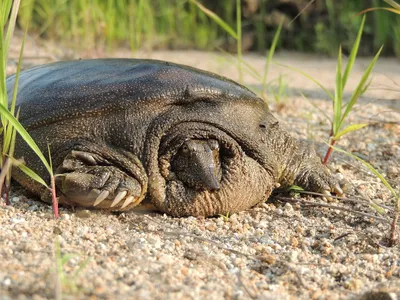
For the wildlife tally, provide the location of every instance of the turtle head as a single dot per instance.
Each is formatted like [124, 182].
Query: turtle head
[197, 164]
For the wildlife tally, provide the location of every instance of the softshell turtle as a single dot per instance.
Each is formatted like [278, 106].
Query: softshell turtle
[189, 141]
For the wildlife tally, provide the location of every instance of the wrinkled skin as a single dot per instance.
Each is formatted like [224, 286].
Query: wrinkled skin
[190, 142]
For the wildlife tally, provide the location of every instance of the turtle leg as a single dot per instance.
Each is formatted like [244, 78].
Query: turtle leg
[92, 175]
[314, 176]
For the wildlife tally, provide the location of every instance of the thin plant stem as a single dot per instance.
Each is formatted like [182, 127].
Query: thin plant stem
[54, 197]
[311, 203]
[360, 200]
[393, 240]
[5, 169]
[7, 193]
[329, 152]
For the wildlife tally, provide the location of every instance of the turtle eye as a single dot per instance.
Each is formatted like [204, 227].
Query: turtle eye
[185, 148]
[262, 126]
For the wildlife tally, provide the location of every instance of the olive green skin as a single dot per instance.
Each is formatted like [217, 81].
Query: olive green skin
[116, 124]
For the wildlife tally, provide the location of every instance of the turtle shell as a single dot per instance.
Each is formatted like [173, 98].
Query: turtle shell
[70, 89]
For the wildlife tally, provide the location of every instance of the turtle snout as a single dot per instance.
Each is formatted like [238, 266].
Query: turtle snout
[197, 164]
[210, 180]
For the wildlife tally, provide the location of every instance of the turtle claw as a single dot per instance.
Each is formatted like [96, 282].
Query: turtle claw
[328, 195]
[99, 187]
[128, 200]
[338, 190]
[120, 196]
[103, 195]
[321, 181]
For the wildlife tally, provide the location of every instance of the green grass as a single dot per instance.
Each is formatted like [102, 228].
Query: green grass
[225, 217]
[387, 25]
[153, 24]
[111, 23]
[66, 283]
[341, 109]
[10, 125]
[279, 93]
[236, 34]
[395, 7]
[7, 20]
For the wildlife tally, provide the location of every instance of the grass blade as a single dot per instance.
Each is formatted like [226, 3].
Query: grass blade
[337, 102]
[393, 3]
[217, 19]
[11, 27]
[14, 98]
[309, 77]
[28, 171]
[295, 188]
[5, 10]
[393, 10]
[270, 55]
[11, 151]
[8, 141]
[373, 170]
[50, 160]
[360, 88]
[231, 59]
[24, 134]
[3, 93]
[348, 129]
[353, 53]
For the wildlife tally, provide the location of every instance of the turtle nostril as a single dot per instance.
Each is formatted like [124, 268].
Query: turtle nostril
[213, 185]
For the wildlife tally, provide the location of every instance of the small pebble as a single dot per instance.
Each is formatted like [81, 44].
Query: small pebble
[83, 213]
[288, 210]
[17, 220]
[57, 230]
[65, 216]
[7, 282]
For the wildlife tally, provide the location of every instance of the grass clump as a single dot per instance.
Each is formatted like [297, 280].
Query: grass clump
[10, 125]
[107, 24]
[157, 24]
[393, 29]
[66, 282]
[341, 108]
[280, 92]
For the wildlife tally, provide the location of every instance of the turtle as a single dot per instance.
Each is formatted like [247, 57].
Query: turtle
[122, 132]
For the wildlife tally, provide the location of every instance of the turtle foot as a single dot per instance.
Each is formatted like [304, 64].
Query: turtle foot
[313, 176]
[321, 181]
[86, 179]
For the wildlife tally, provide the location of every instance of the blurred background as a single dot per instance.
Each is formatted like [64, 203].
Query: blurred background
[308, 26]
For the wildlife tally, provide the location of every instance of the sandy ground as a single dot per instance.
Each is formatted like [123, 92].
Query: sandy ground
[278, 250]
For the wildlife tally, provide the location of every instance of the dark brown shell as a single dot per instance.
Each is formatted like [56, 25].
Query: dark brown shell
[74, 88]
